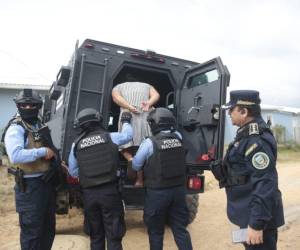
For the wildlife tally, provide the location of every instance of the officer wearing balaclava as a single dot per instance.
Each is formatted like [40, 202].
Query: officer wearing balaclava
[29, 159]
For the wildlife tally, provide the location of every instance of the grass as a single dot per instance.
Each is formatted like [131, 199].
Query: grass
[288, 153]
[6, 191]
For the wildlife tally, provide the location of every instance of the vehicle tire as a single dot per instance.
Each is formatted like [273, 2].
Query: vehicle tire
[192, 201]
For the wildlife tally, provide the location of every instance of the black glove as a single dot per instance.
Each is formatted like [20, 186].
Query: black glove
[217, 170]
[126, 117]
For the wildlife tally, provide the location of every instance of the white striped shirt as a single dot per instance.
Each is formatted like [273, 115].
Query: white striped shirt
[134, 92]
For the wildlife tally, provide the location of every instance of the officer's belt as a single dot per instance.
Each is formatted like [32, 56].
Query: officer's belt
[236, 180]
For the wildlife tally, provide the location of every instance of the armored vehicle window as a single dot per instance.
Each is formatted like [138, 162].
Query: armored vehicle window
[203, 78]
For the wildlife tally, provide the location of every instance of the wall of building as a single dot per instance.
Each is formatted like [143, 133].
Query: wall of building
[290, 121]
[296, 125]
[7, 105]
[284, 119]
[230, 130]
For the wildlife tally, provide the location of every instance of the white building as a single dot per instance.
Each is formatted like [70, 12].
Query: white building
[7, 92]
[285, 123]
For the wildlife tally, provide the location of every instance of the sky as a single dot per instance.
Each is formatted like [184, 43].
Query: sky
[258, 40]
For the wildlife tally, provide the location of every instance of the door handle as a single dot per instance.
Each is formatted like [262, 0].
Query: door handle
[197, 100]
[192, 113]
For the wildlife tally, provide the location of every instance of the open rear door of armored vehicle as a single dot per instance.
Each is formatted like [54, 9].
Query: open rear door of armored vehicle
[200, 118]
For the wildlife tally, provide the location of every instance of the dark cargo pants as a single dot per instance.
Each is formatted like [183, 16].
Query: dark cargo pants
[167, 206]
[36, 208]
[104, 216]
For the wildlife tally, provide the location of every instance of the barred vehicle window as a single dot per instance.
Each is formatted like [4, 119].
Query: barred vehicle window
[203, 78]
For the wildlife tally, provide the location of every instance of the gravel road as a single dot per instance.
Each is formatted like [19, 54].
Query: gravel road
[210, 230]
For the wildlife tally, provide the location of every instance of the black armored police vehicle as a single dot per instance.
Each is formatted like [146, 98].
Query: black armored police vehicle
[193, 91]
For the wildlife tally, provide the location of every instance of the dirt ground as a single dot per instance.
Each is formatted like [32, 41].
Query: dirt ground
[210, 230]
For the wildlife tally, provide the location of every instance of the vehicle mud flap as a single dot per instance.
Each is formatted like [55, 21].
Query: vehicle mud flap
[62, 202]
[192, 202]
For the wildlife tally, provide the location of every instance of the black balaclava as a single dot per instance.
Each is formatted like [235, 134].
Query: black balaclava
[29, 115]
[28, 97]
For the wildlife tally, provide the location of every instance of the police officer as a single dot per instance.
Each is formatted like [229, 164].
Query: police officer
[249, 173]
[94, 159]
[164, 158]
[29, 160]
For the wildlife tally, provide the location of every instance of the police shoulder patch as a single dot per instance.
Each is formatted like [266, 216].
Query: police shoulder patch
[253, 129]
[260, 160]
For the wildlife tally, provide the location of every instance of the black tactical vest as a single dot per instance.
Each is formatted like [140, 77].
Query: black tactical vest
[166, 167]
[97, 158]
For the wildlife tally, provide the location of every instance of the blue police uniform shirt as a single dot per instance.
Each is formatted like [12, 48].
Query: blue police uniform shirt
[145, 151]
[118, 138]
[16, 151]
[257, 202]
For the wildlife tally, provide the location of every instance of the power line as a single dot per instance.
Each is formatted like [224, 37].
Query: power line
[24, 64]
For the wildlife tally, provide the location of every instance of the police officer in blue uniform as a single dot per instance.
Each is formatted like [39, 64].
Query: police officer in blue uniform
[248, 173]
[29, 161]
[94, 159]
[163, 158]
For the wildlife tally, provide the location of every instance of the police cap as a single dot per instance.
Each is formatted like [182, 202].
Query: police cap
[243, 98]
